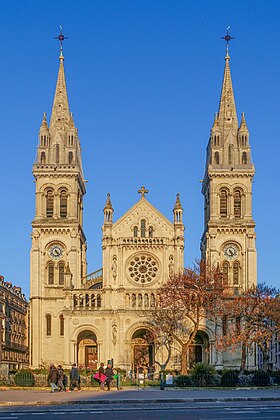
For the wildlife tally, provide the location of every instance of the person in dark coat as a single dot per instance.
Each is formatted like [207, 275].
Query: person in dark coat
[53, 377]
[75, 378]
[109, 373]
[60, 379]
[101, 371]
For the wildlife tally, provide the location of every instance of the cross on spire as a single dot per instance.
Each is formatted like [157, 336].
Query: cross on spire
[61, 38]
[143, 191]
[227, 38]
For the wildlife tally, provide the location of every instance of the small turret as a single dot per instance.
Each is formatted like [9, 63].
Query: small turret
[178, 210]
[108, 211]
[44, 140]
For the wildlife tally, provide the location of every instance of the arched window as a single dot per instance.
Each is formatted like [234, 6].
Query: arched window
[236, 270]
[49, 203]
[133, 300]
[61, 325]
[70, 157]
[135, 231]
[98, 301]
[51, 273]
[230, 154]
[225, 272]
[61, 273]
[57, 153]
[143, 228]
[151, 232]
[43, 158]
[48, 325]
[224, 203]
[237, 203]
[244, 158]
[63, 203]
[217, 158]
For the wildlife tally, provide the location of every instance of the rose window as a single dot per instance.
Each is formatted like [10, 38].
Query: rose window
[143, 269]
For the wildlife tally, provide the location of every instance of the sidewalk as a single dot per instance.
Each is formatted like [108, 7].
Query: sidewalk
[128, 396]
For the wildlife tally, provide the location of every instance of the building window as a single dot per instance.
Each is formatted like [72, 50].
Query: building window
[43, 158]
[230, 154]
[244, 158]
[51, 273]
[217, 158]
[151, 232]
[57, 153]
[143, 228]
[61, 324]
[49, 203]
[238, 325]
[237, 203]
[48, 324]
[236, 269]
[225, 272]
[61, 273]
[224, 203]
[70, 157]
[63, 203]
[135, 232]
[224, 325]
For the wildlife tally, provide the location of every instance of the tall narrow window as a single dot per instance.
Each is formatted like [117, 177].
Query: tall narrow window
[49, 203]
[224, 325]
[236, 269]
[224, 203]
[43, 158]
[143, 228]
[244, 158]
[70, 157]
[51, 273]
[238, 324]
[230, 154]
[48, 325]
[57, 153]
[61, 273]
[225, 272]
[237, 203]
[135, 231]
[61, 325]
[63, 203]
[217, 158]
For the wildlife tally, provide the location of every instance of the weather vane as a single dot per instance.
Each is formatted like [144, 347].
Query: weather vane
[227, 37]
[61, 38]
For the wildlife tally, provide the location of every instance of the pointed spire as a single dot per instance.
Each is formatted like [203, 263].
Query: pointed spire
[60, 109]
[44, 122]
[108, 204]
[243, 125]
[227, 109]
[178, 204]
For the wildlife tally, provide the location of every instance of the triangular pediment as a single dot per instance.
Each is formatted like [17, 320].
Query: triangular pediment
[143, 209]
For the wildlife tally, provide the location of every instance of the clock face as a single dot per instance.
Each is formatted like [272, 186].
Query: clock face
[230, 251]
[56, 251]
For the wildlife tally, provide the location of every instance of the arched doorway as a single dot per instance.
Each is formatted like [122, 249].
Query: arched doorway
[143, 348]
[87, 354]
[199, 350]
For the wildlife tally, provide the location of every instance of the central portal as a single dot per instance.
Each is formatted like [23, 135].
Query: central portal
[87, 354]
[143, 349]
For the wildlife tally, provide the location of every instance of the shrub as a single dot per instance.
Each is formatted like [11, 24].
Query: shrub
[203, 374]
[261, 378]
[229, 378]
[183, 381]
[24, 377]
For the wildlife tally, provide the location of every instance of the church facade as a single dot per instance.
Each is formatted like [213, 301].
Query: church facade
[90, 318]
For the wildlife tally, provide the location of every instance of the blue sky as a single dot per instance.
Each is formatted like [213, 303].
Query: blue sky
[144, 80]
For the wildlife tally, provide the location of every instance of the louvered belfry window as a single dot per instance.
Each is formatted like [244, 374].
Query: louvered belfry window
[63, 203]
[48, 324]
[236, 273]
[225, 272]
[223, 203]
[49, 203]
[61, 325]
[51, 273]
[237, 203]
[61, 273]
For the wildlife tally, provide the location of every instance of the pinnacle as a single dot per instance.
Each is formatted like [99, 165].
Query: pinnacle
[178, 204]
[243, 125]
[108, 204]
[44, 121]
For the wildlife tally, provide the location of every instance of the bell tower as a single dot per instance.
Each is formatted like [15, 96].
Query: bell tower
[229, 229]
[58, 252]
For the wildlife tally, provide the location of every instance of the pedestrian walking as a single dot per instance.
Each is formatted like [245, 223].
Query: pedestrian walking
[75, 380]
[110, 374]
[60, 379]
[101, 376]
[53, 377]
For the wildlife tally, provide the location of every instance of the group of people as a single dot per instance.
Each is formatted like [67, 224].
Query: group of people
[58, 380]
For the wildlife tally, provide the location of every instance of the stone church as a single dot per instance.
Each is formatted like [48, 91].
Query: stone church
[90, 318]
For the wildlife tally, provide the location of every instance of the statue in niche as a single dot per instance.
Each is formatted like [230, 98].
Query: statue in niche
[171, 266]
[114, 267]
[114, 332]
